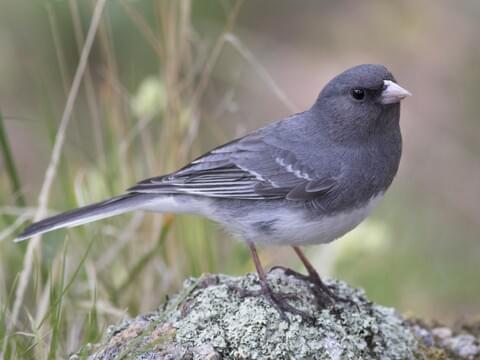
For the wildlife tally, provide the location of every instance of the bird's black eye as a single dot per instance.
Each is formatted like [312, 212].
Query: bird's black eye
[358, 94]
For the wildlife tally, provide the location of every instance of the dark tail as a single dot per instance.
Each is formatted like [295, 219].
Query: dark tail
[115, 206]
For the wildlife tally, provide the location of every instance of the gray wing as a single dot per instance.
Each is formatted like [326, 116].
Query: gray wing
[246, 168]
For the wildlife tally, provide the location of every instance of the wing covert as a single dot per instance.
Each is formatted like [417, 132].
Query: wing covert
[246, 168]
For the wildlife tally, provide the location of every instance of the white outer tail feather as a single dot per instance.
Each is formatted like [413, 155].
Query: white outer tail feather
[86, 214]
[161, 203]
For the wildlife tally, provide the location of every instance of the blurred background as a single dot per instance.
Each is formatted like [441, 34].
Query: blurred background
[167, 80]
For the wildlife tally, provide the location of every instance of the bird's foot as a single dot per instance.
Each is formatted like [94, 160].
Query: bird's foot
[324, 295]
[277, 300]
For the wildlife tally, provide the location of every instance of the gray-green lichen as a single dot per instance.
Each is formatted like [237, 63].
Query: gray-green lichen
[208, 319]
[249, 328]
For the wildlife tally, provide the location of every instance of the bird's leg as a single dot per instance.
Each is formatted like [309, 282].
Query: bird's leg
[322, 292]
[277, 300]
[320, 288]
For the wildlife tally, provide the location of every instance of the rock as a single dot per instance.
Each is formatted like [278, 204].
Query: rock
[464, 345]
[209, 319]
[442, 332]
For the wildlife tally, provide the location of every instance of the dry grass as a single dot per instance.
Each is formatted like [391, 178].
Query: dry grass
[59, 293]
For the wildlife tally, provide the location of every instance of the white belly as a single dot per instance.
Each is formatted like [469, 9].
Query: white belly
[289, 227]
[292, 229]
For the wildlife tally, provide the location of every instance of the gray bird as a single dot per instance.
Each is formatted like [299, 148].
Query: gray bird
[306, 179]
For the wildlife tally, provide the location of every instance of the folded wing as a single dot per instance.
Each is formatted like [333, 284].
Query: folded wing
[247, 168]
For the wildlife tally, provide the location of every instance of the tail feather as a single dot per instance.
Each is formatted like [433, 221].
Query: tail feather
[115, 206]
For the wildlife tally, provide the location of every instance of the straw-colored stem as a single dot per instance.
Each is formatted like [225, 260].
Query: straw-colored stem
[52, 167]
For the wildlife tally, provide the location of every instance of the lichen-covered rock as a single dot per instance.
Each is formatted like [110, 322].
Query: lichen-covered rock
[438, 342]
[208, 319]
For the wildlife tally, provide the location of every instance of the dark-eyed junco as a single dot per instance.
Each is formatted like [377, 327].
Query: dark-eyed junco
[305, 179]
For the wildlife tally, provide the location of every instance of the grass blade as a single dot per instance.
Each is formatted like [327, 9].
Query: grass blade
[10, 165]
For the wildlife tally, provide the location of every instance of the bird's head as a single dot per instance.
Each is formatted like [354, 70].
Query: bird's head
[360, 101]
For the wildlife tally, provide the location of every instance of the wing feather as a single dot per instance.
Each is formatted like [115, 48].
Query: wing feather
[247, 168]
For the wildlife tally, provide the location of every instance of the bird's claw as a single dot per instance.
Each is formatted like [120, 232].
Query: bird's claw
[277, 300]
[323, 294]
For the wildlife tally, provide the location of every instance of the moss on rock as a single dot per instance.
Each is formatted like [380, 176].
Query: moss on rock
[208, 319]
